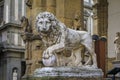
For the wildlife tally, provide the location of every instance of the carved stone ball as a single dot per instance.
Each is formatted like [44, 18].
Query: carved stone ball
[49, 61]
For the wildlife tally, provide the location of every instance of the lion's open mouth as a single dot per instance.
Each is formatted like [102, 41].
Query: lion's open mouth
[45, 32]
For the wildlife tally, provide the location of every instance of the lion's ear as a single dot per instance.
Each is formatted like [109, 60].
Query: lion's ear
[54, 23]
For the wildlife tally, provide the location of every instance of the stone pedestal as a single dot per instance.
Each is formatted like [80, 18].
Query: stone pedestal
[27, 77]
[118, 57]
[116, 63]
[66, 73]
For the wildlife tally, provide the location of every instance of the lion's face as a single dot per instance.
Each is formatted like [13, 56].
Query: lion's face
[44, 25]
[45, 21]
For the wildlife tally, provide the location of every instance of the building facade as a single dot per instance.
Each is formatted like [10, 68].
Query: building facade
[98, 17]
[11, 43]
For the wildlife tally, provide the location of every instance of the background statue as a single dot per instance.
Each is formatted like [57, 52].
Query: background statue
[15, 75]
[57, 37]
[117, 45]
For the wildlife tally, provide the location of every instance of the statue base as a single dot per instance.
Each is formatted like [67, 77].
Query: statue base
[67, 73]
[27, 77]
[116, 63]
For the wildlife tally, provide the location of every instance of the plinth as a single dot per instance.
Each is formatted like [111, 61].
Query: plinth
[116, 63]
[67, 73]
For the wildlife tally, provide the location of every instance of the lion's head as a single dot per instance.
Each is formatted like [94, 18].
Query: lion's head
[45, 21]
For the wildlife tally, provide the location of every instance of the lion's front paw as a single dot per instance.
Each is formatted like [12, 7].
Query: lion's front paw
[47, 53]
[48, 59]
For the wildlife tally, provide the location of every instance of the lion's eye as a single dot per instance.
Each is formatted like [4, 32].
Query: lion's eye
[48, 22]
[40, 22]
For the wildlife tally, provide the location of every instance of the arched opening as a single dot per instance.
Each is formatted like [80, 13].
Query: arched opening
[15, 73]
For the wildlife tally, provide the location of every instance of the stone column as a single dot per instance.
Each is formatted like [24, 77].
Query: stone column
[81, 26]
[51, 6]
[16, 10]
[36, 6]
[100, 10]
[7, 10]
[101, 17]
[66, 10]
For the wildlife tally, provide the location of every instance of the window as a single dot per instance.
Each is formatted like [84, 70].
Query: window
[19, 39]
[10, 38]
[19, 8]
[4, 36]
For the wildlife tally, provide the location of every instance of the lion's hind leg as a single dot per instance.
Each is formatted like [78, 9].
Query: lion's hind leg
[89, 47]
[78, 58]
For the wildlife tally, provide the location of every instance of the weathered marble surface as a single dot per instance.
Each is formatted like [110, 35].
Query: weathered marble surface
[117, 45]
[67, 73]
[116, 63]
[58, 38]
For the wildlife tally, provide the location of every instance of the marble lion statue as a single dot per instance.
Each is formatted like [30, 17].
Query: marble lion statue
[57, 37]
